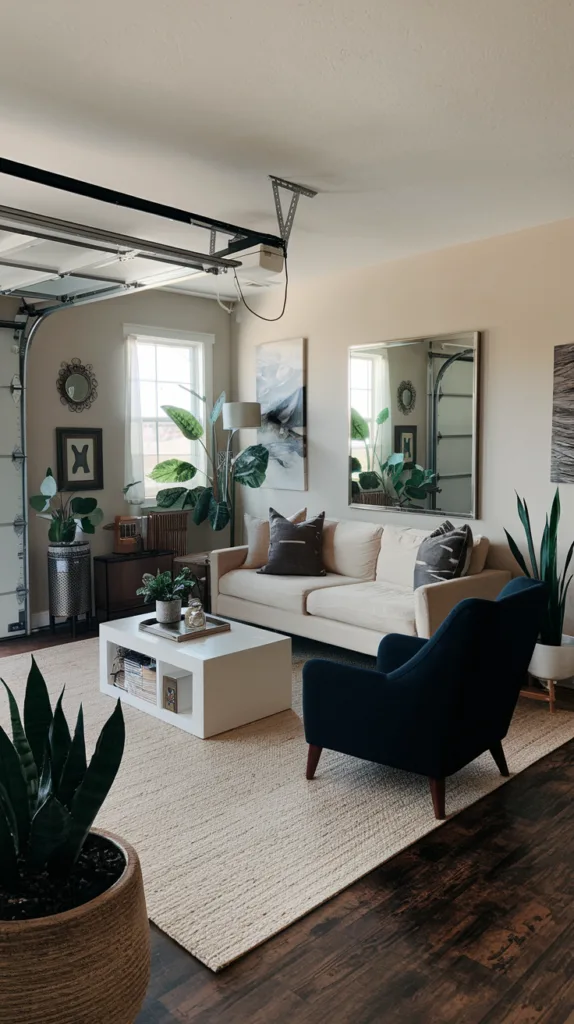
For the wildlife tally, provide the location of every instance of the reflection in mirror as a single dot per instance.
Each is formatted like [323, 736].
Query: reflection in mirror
[77, 387]
[414, 425]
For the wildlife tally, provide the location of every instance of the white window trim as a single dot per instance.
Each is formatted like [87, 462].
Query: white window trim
[172, 337]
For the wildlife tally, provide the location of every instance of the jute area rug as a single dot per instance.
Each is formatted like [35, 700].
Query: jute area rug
[235, 843]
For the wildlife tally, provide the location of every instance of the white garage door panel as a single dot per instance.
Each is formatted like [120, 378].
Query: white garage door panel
[12, 566]
[11, 563]
[10, 491]
[10, 612]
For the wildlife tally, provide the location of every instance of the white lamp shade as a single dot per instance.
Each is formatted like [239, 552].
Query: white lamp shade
[241, 415]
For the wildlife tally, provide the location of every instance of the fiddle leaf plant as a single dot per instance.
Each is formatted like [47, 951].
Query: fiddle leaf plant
[65, 516]
[213, 501]
[50, 793]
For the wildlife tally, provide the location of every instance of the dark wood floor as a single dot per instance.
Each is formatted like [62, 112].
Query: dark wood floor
[474, 923]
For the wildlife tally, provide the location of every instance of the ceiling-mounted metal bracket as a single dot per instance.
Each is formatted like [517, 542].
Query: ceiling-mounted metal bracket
[286, 223]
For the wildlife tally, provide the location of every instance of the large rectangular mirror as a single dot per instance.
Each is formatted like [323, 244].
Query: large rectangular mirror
[414, 425]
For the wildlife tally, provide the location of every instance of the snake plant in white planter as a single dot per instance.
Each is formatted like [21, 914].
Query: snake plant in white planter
[553, 657]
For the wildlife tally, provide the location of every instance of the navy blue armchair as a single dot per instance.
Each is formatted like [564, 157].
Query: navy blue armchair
[431, 706]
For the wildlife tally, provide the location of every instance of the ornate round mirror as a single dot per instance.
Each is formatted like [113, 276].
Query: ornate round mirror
[406, 396]
[77, 385]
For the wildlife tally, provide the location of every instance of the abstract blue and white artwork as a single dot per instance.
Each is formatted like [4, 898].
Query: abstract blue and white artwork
[281, 391]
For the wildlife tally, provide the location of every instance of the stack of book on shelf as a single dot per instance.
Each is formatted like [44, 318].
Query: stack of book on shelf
[135, 673]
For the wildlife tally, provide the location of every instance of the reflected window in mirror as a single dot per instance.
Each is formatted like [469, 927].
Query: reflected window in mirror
[420, 454]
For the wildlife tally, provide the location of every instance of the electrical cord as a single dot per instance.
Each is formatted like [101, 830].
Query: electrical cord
[269, 319]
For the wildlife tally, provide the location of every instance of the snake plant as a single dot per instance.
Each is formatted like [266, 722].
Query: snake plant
[546, 568]
[49, 793]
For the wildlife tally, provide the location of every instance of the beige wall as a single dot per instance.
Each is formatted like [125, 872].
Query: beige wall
[518, 289]
[95, 334]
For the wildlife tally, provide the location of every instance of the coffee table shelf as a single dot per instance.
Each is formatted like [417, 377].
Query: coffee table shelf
[223, 681]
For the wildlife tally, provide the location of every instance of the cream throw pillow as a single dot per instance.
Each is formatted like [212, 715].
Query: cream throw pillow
[258, 537]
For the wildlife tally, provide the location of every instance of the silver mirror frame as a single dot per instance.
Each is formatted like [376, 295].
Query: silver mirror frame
[476, 338]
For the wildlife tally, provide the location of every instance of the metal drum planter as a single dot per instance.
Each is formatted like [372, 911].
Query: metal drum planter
[69, 582]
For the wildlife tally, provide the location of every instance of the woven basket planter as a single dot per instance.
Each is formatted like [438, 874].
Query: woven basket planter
[90, 965]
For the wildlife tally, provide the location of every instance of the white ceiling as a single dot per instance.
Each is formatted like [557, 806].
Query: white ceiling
[422, 123]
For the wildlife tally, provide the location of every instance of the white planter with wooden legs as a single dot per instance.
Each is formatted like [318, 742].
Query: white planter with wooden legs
[551, 665]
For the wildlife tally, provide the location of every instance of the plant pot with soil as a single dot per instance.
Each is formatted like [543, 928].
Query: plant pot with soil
[553, 658]
[168, 593]
[74, 935]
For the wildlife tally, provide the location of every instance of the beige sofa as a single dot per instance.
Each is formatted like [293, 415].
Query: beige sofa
[367, 592]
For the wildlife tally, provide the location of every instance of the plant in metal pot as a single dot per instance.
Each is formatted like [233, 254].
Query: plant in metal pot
[168, 592]
[554, 654]
[65, 516]
[65, 890]
[213, 501]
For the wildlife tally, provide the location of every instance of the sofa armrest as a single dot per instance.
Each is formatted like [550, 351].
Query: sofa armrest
[222, 561]
[434, 601]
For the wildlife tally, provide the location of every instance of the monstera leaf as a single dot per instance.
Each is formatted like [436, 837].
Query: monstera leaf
[173, 471]
[178, 498]
[359, 427]
[250, 465]
[217, 407]
[201, 510]
[185, 421]
[219, 514]
[369, 481]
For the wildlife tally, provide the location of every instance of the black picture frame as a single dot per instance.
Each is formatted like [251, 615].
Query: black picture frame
[86, 471]
[406, 442]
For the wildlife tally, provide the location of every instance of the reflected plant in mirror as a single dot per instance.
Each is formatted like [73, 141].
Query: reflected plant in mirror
[415, 452]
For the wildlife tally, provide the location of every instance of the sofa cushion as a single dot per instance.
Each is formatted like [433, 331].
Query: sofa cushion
[257, 536]
[399, 547]
[295, 549]
[478, 555]
[351, 549]
[445, 555]
[286, 592]
[384, 607]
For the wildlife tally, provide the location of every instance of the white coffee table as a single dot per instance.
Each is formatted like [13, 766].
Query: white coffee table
[223, 681]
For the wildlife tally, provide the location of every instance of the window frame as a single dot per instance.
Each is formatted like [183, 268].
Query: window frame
[146, 334]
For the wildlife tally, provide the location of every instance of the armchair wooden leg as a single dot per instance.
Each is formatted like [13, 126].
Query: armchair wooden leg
[437, 793]
[313, 760]
[500, 760]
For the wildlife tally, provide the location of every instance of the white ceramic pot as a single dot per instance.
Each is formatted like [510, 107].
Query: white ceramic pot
[553, 662]
[167, 612]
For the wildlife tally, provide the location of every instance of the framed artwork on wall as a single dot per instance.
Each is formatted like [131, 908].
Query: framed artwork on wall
[281, 386]
[79, 459]
[406, 442]
[562, 450]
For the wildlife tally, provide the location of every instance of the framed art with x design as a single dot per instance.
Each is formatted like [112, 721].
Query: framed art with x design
[79, 459]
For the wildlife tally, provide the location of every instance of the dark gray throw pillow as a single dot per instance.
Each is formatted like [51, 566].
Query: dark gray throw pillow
[444, 555]
[294, 548]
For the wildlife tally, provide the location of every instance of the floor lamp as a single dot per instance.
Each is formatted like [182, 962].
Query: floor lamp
[236, 416]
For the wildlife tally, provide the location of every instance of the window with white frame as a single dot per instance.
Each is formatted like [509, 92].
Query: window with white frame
[168, 369]
[369, 387]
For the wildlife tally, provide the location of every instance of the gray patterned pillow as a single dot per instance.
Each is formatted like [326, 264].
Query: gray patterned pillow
[444, 555]
[294, 548]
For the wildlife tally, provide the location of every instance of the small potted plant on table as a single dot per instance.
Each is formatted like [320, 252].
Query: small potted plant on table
[168, 593]
[74, 935]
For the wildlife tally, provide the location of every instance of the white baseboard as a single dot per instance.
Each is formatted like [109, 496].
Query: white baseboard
[39, 619]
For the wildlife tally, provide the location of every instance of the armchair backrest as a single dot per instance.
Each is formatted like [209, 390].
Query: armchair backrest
[465, 681]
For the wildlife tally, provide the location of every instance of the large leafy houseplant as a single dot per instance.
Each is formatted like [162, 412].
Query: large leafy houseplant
[401, 481]
[545, 567]
[65, 516]
[49, 793]
[215, 500]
